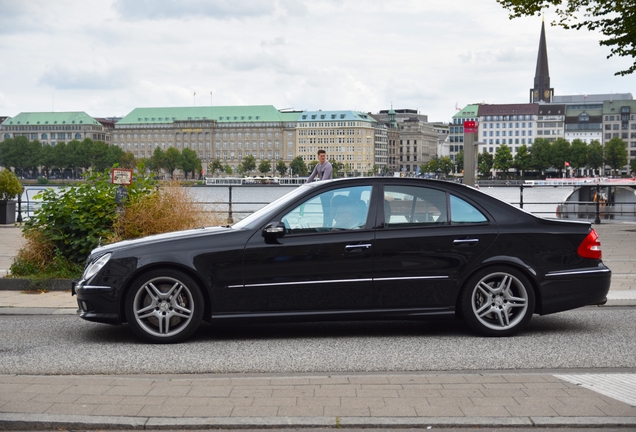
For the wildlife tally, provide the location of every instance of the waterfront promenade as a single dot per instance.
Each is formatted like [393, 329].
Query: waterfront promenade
[423, 399]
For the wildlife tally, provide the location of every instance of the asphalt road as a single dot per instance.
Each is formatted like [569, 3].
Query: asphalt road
[591, 337]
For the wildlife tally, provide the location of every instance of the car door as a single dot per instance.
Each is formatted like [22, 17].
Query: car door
[319, 264]
[425, 239]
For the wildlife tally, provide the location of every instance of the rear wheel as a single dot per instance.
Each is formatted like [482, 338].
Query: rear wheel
[164, 306]
[497, 301]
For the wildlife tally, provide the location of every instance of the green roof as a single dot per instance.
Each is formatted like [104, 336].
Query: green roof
[220, 114]
[312, 116]
[50, 118]
[469, 111]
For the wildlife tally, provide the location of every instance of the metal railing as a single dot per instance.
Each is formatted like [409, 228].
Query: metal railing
[576, 210]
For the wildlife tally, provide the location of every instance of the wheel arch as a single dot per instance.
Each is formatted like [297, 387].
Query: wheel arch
[166, 265]
[505, 261]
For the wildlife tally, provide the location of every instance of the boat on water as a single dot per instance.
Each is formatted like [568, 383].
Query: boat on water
[604, 198]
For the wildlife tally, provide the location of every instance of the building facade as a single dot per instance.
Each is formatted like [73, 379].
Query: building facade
[511, 124]
[348, 137]
[225, 133]
[54, 127]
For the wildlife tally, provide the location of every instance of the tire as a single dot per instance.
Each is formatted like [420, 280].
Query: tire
[164, 306]
[497, 301]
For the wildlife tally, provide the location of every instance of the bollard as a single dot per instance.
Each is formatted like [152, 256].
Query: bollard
[597, 220]
[521, 196]
[229, 212]
[19, 217]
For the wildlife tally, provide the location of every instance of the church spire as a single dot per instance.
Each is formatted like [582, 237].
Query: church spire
[542, 92]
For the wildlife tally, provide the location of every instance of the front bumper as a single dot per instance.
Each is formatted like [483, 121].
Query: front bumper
[96, 303]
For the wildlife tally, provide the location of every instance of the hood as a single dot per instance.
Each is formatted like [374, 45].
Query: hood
[158, 238]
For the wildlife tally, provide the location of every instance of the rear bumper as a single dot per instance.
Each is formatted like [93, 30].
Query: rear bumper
[565, 290]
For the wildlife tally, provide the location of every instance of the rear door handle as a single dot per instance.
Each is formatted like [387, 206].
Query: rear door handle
[353, 248]
[465, 242]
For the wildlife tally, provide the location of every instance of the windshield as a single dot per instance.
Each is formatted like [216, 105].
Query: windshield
[261, 215]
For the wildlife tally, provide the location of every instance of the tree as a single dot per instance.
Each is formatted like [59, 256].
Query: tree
[432, 165]
[578, 154]
[594, 155]
[484, 163]
[521, 161]
[446, 165]
[127, 160]
[155, 163]
[265, 166]
[459, 161]
[632, 167]
[336, 167]
[248, 164]
[216, 166]
[171, 161]
[281, 168]
[228, 169]
[540, 155]
[189, 162]
[616, 153]
[503, 159]
[616, 20]
[298, 166]
[559, 153]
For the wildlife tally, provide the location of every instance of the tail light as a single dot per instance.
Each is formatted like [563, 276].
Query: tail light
[590, 247]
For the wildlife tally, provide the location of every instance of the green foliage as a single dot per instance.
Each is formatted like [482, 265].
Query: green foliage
[248, 164]
[281, 168]
[540, 155]
[594, 155]
[298, 166]
[216, 166]
[77, 217]
[445, 164]
[189, 162]
[559, 153]
[521, 161]
[485, 163]
[616, 20]
[616, 153]
[503, 159]
[10, 186]
[265, 166]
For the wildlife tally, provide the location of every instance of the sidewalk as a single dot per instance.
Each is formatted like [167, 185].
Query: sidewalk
[328, 400]
[579, 398]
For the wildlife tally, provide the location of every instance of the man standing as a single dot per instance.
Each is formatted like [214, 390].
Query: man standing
[323, 169]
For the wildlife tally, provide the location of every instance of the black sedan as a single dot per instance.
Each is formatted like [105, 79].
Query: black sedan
[364, 248]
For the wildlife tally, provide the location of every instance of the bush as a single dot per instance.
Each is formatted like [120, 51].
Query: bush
[76, 219]
[155, 213]
[10, 186]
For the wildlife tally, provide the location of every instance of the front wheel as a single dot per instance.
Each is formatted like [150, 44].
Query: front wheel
[497, 301]
[164, 306]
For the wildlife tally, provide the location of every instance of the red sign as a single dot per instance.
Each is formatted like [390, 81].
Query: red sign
[470, 126]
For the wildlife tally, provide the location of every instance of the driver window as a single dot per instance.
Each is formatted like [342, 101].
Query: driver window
[336, 210]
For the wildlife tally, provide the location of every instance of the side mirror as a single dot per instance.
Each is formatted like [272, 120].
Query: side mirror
[274, 230]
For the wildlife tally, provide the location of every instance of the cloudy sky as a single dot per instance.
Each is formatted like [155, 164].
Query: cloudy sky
[107, 57]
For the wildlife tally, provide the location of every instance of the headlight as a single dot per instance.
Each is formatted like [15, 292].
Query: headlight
[96, 266]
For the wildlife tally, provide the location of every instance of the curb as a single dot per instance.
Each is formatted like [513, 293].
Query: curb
[11, 421]
[18, 284]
